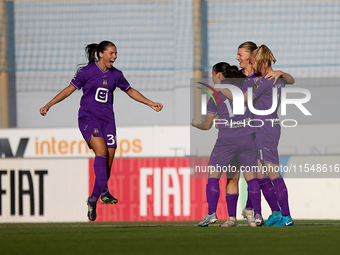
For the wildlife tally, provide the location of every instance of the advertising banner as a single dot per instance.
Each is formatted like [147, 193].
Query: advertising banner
[150, 141]
[152, 189]
[44, 190]
[156, 189]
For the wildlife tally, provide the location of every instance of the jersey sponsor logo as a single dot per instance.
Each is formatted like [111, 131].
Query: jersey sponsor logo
[101, 95]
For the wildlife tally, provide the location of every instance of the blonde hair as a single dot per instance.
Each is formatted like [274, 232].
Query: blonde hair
[263, 57]
[248, 46]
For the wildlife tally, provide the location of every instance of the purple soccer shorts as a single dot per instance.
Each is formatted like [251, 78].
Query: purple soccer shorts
[91, 126]
[266, 146]
[227, 152]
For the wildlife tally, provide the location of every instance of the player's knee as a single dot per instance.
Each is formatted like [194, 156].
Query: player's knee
[101, 152]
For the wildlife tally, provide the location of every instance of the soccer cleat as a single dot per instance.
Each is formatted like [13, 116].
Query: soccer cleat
[248, 214]
[91, 213]
[209, 219]
[108, 199]
[231, 222]
[285, 221]
[273, 218]
[259, 220]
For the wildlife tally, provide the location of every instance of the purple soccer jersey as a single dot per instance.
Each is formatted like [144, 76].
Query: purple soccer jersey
[230, 125]
[253, 75]
[98, 87]
[235, 138]
[262, 90]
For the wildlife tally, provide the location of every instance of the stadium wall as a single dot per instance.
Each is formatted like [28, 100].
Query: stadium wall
[46, 41]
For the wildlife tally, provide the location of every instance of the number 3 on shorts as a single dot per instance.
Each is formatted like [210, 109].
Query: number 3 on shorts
[110, 140]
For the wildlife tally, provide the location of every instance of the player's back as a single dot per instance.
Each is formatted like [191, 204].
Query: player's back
[263, 92]
[230, 125]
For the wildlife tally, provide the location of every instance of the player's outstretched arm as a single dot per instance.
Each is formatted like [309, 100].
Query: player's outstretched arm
[206, 124]
[136, 95]
[61, 96]
[229, 95]
[276, 74]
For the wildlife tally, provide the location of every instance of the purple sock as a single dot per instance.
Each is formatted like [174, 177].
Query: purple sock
[213, 194]
[249, 205]
[232, 204]
[268, 193]
[281, 194]
[254, 192]
[101, 173]
[96, 191]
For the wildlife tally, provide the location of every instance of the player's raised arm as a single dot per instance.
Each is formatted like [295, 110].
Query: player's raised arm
[206, 124]
[60, 97]
[136, 95]
[229, 95]
[276, 74]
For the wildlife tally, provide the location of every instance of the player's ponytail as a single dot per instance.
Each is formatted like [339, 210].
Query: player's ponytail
[233, 75]
[90, 51]
[263, 57]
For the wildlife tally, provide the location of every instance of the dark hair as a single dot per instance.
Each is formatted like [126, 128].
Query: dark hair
[221, 67]
[230, 73]
[94, 48]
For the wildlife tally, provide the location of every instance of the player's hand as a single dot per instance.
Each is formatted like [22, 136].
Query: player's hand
[156, 106]
[44, 110]
[216, 118]
[274, 75]
[194, 123]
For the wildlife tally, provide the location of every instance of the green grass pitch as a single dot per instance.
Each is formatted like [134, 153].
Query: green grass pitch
[307, 237]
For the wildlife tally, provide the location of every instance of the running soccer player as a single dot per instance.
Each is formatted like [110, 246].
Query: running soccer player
[268, 135]
[235, 141]
[98, 80]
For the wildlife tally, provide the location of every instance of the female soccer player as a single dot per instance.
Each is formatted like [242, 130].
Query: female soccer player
[268, 135]
[98, 79]
[243, 54]
[235, 141]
